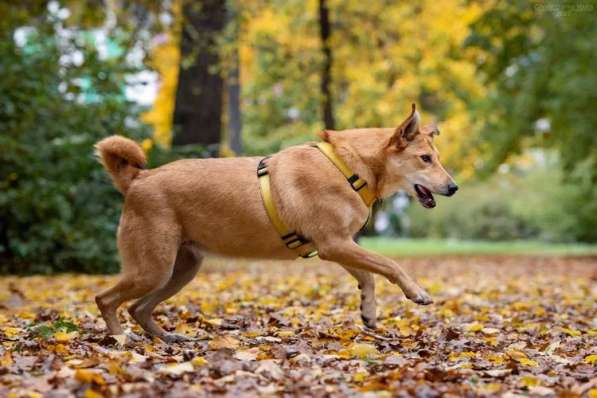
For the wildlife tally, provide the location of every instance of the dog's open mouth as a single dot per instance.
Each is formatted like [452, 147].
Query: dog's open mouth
[425, 197]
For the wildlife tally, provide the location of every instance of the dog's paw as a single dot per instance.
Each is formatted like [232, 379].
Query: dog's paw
[421, 298]
[371, 323]
[175, 338]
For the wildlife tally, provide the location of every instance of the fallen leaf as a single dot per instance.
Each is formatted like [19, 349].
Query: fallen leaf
[359, 350]
[246, 355]
[177, 369]
[269, 368]
[591, 359]
[89, 376]
[224, 342]
[199, 361]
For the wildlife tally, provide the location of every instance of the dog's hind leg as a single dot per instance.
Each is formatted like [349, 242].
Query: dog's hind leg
[147, 263]
[188, 262]
[367, 287]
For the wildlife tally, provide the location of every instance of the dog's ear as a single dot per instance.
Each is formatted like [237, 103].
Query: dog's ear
[324, 135]
[407, 130]
[431, 130]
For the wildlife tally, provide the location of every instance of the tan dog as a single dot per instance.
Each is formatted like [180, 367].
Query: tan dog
[174, 214]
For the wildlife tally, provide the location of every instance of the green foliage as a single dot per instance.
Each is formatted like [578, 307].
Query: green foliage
[47, 330]
[443, 247]
[58, 210]
[281, 98]
[539, 204]
[539, 64]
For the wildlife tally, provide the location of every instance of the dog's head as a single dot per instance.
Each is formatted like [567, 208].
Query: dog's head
[412, 162]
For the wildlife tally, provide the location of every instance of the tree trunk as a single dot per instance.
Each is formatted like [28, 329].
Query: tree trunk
[326, 72]
[198, 106]
[233, 84]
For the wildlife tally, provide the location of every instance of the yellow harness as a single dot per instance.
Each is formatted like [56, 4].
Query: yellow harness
[291, 239]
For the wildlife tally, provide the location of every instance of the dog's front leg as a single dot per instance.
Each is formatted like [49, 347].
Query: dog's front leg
[349, 254]
[367, 288]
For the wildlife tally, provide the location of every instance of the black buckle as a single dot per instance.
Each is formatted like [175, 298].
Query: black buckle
[310, 254]
[294, 240]
[353, 179]
[262, 168]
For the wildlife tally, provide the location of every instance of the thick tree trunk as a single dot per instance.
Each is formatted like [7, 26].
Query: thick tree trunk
[198, 106]
[233, 84]
[326, 72]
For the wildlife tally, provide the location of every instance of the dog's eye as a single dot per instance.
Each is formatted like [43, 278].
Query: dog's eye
[426, 158]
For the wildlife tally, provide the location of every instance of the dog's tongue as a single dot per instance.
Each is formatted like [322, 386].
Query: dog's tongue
[425, 196]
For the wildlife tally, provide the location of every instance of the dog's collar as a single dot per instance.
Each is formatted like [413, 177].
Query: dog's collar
[291, 239]
[356, 182]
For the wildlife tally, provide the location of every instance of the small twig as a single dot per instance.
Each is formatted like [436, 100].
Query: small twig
[372, 334]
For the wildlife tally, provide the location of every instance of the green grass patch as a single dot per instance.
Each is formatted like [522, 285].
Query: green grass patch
[426, 247]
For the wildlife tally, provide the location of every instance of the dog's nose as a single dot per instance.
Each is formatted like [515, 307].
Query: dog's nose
[452, 188]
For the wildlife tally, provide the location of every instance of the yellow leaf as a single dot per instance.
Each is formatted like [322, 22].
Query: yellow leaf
[343, 333]
[456, 356]
[592, 393]
[359, 350]
[474, 327]
[89, 393]
[224, 342]
[527, 362]
[11, 332]
[490, 388]
[520, 306]
[529, 381]
[406, 327]
[89, 376]
[571, 332]
[26, 393]
[363, 351]
[199, 361]
[147, 144]
[6, 360]
[496, 359]
[591, 359]
[63, 337]
[285, 333]
[360, 377]
[26, 315]
[215, 321]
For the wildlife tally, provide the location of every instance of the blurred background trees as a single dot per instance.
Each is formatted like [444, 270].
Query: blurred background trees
[511, 84]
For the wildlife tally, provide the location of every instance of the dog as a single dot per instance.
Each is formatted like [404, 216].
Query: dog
[175, 214]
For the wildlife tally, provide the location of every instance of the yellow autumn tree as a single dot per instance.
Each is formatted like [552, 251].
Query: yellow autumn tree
[165, 59]
[385, 56]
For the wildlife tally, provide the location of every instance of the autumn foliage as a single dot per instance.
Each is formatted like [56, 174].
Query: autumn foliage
[508, 325]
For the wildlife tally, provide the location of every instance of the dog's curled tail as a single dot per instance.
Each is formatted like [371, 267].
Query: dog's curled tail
[122, 158]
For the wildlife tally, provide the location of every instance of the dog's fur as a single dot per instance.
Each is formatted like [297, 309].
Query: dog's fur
[176, 213]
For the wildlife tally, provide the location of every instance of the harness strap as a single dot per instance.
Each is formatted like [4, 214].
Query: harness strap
[291, 239]
[356, 182]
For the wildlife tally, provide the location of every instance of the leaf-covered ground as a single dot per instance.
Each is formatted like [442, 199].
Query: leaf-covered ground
[499, 327]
